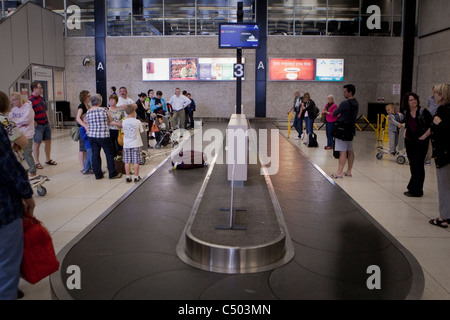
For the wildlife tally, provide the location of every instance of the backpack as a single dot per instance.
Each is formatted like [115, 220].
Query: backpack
[312, 141]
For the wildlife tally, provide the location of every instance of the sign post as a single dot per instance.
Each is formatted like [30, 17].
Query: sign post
[240, 18]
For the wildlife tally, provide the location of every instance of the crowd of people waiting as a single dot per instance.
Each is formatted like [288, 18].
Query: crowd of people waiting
[426, 134]
[102, 126]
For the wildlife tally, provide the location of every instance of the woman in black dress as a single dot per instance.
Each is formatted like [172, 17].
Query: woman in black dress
[418, 121]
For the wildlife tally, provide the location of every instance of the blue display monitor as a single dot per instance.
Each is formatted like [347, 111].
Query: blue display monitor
[238, 36]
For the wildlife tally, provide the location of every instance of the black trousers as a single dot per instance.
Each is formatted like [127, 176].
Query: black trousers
[106, 144]
[416, 150]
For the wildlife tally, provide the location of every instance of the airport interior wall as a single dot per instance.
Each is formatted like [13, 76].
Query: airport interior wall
[373, 64]
[32, 35]
[433, 52]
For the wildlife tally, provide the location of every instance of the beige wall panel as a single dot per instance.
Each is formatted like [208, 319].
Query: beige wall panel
[59, 40]
[433, 16]
[48, 39]
[20, 45]
[6, 56]
[35, 36]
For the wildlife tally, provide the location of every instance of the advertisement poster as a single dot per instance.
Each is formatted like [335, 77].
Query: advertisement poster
[330, 70]
[155, 69]
[183, 69]
[190, 69]
[292, 69]
[216, 68]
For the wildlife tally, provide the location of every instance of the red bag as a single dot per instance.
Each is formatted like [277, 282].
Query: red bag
[39, 258]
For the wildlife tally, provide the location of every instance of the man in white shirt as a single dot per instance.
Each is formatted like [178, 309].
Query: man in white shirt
[124, 100]
[178, 103]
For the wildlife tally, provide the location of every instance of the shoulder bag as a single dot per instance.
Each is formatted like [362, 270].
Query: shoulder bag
[39, 258]
[75, 133]
[344, 131]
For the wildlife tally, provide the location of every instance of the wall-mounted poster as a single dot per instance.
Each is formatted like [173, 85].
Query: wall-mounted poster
[155, 69]
[190, 69]
[183, 69]
[330, 69]
[292, 69]
[216, 68]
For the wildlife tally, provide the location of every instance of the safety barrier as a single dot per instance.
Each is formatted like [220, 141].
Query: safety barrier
[382, 128]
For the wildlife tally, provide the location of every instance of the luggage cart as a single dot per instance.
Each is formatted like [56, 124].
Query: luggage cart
[37, 182]
[400, 155]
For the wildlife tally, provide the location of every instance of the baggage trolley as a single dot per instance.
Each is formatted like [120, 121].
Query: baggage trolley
[400, 155]
[37, 182]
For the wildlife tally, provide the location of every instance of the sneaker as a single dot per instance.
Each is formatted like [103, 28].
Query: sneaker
[128, 180]
[137, 179]
[117, 176]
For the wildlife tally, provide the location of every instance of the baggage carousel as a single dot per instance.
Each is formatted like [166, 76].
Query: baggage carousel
[298, 236]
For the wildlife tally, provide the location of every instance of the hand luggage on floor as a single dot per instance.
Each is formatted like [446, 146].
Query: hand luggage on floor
[189, 159]
[312, 140]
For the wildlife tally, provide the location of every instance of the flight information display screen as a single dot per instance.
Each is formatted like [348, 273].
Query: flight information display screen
[238, 35]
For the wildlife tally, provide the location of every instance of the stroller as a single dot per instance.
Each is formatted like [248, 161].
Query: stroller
[163, 136]
[399, 155]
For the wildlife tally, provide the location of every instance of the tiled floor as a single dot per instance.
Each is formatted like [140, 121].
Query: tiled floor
[74, 200]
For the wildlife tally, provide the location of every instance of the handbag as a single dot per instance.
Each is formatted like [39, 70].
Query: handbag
[343, 131]
[39, 258]
[75, 133]
[120, 137]
[154, 127]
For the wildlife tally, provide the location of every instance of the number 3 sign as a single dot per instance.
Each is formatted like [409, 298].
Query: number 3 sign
[238, 70]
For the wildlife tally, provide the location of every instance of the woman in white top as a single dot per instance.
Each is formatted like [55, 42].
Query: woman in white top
[23, 115]
[117, 115]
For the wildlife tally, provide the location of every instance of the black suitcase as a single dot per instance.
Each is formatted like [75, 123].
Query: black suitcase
[189, 159]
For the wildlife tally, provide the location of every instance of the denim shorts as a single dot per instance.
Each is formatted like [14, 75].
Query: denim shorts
[42, 132]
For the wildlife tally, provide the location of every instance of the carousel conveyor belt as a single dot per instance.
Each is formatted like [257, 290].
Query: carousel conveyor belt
[334, 248]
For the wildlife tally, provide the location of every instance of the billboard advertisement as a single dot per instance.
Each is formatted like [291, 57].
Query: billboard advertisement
[183, 69]
[292, 69]
[155, 69]
[188, 69]
[329, 69]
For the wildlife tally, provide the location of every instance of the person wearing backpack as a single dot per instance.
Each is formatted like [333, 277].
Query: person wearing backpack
[418, 122]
